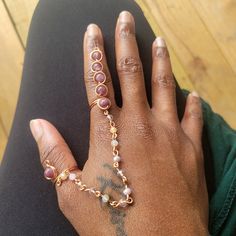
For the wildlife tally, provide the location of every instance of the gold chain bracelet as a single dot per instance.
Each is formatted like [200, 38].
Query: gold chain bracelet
[123, 202]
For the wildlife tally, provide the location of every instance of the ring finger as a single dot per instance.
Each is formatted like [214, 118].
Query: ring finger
[128, 62]
[163, 84]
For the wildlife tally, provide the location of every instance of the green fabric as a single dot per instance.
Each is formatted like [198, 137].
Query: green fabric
[222, 205]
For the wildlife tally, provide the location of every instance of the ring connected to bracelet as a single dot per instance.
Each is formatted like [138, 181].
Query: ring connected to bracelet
[51, 173]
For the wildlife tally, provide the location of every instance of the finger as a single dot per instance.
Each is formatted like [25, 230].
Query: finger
[52, 146]
[163, 84]
[192, 121]
[128, 63]
[96, 73]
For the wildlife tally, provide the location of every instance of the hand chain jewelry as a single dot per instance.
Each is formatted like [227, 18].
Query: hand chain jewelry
[104, 104]
[116, 159]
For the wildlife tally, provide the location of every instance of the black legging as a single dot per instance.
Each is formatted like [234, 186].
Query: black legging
[53, 88]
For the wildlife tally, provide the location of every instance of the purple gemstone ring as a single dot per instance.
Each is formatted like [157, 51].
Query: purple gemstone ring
[103, 103]
[50, 173]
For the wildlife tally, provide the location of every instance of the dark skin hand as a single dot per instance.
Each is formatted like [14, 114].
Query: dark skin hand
[161, 157]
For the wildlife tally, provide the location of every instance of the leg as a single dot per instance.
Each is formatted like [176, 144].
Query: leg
[52, 88]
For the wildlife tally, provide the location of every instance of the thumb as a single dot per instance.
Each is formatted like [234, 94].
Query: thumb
[52, 147]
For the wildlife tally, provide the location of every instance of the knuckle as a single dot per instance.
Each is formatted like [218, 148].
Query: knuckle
[164, 80]
[56, 154]
[92, 42]
[143, 128]
[172, 137]
[129, 65]
[173, 132]
[161, 53]
[195, 113]
[126, 30]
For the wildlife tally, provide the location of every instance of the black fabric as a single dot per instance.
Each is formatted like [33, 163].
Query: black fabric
[52, 88]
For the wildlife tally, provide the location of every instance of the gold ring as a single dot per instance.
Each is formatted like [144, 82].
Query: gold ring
[94, 103]
[51, 173]
[103, 103]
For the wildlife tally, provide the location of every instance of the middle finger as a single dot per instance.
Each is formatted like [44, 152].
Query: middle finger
[128, 62]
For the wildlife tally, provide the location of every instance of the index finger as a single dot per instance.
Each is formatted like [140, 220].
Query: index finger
[96, 73]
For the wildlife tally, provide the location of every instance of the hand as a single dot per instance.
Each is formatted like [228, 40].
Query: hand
[161, 157]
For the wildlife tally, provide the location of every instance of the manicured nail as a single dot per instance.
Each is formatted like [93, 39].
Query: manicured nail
[92, 30]
[125, 16]
[195, 94]
[160, 42]
[36, 129]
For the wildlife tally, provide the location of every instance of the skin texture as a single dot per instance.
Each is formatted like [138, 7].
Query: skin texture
[161, 157]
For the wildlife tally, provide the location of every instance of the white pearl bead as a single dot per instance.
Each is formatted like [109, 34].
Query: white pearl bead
[116, 158]
[109, 117]
[105, 198]
[123, 204]
[114, 143]
[120, 172]
[92, 190]
[127, 191]
[72, 176]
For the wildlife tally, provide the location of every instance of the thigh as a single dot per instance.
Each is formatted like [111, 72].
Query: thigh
[53, 88]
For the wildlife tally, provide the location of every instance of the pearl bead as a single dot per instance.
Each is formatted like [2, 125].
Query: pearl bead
[109, 117]
[120, 172]
[123, 204]
[92, 190]
[127, 191]
[105, 198]
[114, 143]
[116, 158]
[63, 176]
[72, 176]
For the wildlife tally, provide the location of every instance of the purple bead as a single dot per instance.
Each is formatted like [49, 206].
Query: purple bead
[97, 66]
[96, 55]
[104, 103]
[49, 173]
[101, 90]
[100, 77]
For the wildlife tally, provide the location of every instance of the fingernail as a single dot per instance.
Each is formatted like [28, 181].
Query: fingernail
[195, 94]
[160, 42]
[125, 16]
[92, 29]
[36, 129]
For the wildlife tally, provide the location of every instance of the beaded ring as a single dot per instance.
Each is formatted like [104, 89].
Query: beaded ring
[104, 104]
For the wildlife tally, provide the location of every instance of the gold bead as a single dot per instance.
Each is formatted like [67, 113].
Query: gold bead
[63, 176]
[116, 164]
[113, 130]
